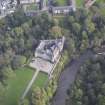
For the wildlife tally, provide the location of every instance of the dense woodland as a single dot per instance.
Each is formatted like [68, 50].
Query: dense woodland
[19, 36]
[89, 86]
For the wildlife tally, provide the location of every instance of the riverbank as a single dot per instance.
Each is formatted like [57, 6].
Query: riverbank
[67, 78]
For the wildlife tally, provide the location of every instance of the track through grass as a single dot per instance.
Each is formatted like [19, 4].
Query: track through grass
[16, 86]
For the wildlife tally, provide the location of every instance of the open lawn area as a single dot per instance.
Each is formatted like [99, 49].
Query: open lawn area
[41, 79]
[16, 86]
[62, 2]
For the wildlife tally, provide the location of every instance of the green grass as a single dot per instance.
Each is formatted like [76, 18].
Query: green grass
[100, 1]
[80, 3]
[41, 80]
[16, 86]
[62, 2]
[18, 83]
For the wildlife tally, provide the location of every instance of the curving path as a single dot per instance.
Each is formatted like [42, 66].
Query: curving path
[67, 78]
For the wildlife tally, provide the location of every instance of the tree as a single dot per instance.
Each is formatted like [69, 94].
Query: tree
[84, 45]
[56, 31]
[84, 35]
[18, 31]
[70, 44]
[71, 20]
[84, 42]
[7, 73]
[76, 27]
[79, 94]
[97, 42]
[18, 61]
[24, 102]
[90, 26]
[101, 99]
[103, 89]
[37, 97]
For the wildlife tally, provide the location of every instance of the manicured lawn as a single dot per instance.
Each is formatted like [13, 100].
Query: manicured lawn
[62, 2]
[17, 85]
[41, 80]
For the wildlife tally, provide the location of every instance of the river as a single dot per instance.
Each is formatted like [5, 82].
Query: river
[67, 78]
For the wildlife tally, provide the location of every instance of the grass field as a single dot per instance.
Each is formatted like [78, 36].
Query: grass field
[41, 80]
[16, 86]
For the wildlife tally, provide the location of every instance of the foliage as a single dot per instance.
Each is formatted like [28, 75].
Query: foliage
[43, 95]
[15, 86]
[59, 2]
[20, 35]
[18, 61]
[91, 88]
